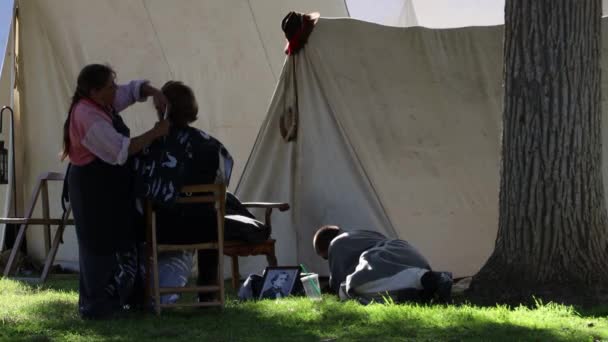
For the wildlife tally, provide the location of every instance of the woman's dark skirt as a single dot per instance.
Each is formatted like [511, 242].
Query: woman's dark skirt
[103, 207]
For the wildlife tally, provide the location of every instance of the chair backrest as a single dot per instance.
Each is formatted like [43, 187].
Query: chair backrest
[190, 194]
[208, 193]
[203, 193]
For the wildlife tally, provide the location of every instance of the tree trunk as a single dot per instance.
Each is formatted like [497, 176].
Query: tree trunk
[552, 236]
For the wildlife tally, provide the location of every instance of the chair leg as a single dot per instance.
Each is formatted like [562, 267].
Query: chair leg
[15, 250]
[152, 257]
[156, 286]
[271, 258]
[236, 277]
[52, 253]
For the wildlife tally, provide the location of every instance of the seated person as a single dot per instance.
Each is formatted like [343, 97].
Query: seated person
[188, 156]
[366, 265]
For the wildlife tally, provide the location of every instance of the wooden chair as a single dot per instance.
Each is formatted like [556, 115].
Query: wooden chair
[235, 249]
[46, 221]
[208, 193]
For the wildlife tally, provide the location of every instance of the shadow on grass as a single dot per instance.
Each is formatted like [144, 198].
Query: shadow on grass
[270, 321]
[58, 321]
[481, 329]
[595, 309]
[596, 312]
[397, 325]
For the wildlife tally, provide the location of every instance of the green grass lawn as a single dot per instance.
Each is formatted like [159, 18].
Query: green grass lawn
[49, 313]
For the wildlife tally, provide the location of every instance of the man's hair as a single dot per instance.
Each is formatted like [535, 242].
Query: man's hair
[276, 276]
[323, 238]
[183, 108]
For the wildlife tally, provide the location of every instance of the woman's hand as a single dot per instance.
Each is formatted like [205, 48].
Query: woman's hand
[160, 101]
[160, 129]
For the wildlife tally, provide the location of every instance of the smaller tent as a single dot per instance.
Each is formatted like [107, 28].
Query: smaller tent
[398, 131]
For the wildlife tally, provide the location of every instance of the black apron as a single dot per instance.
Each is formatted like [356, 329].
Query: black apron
[103, 206]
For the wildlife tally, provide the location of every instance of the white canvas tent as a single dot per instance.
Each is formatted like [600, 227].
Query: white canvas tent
[386, 12]
[229, 51]
[432, 13]
[399, 128]
[399, 131]
[429, 13]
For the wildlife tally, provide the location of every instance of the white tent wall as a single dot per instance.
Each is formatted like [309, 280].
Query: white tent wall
[432, 13]
[399, 132]
[428, 13]
[386, 12]
[404, 141]
[407, 15]
[228, 51]
[308, 173]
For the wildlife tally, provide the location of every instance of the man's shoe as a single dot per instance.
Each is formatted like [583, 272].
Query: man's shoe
[444, 287]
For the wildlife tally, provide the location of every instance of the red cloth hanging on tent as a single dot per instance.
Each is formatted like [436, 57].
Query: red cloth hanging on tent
[297, 28]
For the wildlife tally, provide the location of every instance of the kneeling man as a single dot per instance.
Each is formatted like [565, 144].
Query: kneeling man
[367, 265]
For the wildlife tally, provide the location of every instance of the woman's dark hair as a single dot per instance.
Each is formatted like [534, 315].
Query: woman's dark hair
[91, 77]
[183, 108]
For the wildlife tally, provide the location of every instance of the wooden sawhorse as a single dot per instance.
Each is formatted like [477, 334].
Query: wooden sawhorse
[46, 221]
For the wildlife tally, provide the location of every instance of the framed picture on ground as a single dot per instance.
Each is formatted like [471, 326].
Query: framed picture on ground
[279, 281]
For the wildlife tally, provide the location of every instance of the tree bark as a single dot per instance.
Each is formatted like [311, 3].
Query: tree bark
[552, 236]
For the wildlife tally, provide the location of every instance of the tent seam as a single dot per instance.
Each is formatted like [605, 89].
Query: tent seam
[255, 22]
[160, 45]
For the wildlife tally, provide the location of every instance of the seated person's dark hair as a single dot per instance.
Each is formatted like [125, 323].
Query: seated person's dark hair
[323, 238]
[183, 108]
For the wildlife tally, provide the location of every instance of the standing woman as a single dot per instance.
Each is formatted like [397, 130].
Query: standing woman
[97, 143]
